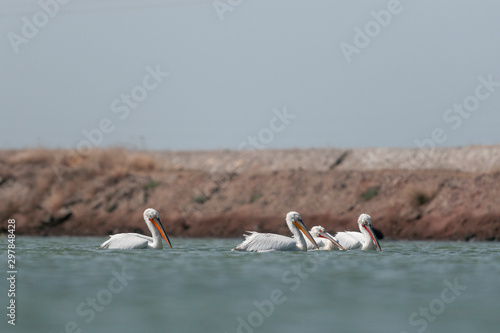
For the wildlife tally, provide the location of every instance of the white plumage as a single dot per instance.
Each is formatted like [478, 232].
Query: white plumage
[324, 240]
[366, 239]
[259, 242]
[130, 241]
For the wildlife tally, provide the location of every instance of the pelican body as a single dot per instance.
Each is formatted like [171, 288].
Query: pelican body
[259, 242]
[366, 239]
[130, 241]
[324, 240]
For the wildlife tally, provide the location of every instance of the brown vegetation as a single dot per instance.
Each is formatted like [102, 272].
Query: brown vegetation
[420, 194]
[224, 193]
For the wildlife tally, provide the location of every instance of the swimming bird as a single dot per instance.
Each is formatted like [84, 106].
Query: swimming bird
[129, 241]
[366, 239]
[324, 240]
[259, 242]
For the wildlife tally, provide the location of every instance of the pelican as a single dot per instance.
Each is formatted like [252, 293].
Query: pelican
[365, 239]
[319, 234]
[257, 242]
[130, 241]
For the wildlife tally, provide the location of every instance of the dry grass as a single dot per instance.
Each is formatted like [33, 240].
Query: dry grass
[42, 186]
[109, 188]
[70, 158]
[55, 200]
[13, 199]
[420, 194]
[8, 208]
[118, 163]
[104, 160]
[118, 172]
[101, 160]
[143, 162]
[113, 163]
[49, 179]
[31, 156]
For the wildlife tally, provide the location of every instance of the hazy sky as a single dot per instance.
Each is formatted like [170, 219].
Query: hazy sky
[289, 73]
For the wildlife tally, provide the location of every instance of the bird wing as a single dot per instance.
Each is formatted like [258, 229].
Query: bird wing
[319, 241]
[127, 241]
[257, 242]
[350, 239]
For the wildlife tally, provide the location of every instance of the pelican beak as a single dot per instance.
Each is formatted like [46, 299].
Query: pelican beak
[331, 239]
[159, 226]
[302, 228]
[372, 235]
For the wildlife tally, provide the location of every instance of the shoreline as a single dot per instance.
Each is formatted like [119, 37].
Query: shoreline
[411, 194]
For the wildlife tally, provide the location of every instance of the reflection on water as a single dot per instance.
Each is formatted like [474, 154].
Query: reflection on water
[66, 284]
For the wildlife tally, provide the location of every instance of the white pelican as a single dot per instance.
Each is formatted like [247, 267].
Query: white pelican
[365, 239]
[129, 241]
[257, 242]
[324, 240]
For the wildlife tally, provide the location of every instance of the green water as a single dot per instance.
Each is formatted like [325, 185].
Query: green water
[66, 284]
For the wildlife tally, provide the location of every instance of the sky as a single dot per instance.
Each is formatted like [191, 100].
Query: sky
[248, 74]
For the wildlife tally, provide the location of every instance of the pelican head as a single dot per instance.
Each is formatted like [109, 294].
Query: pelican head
[152, 219]
[319, 231]
[294, 222]
[365, 224]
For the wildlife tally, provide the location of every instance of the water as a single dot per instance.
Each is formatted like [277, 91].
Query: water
[66, 284]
